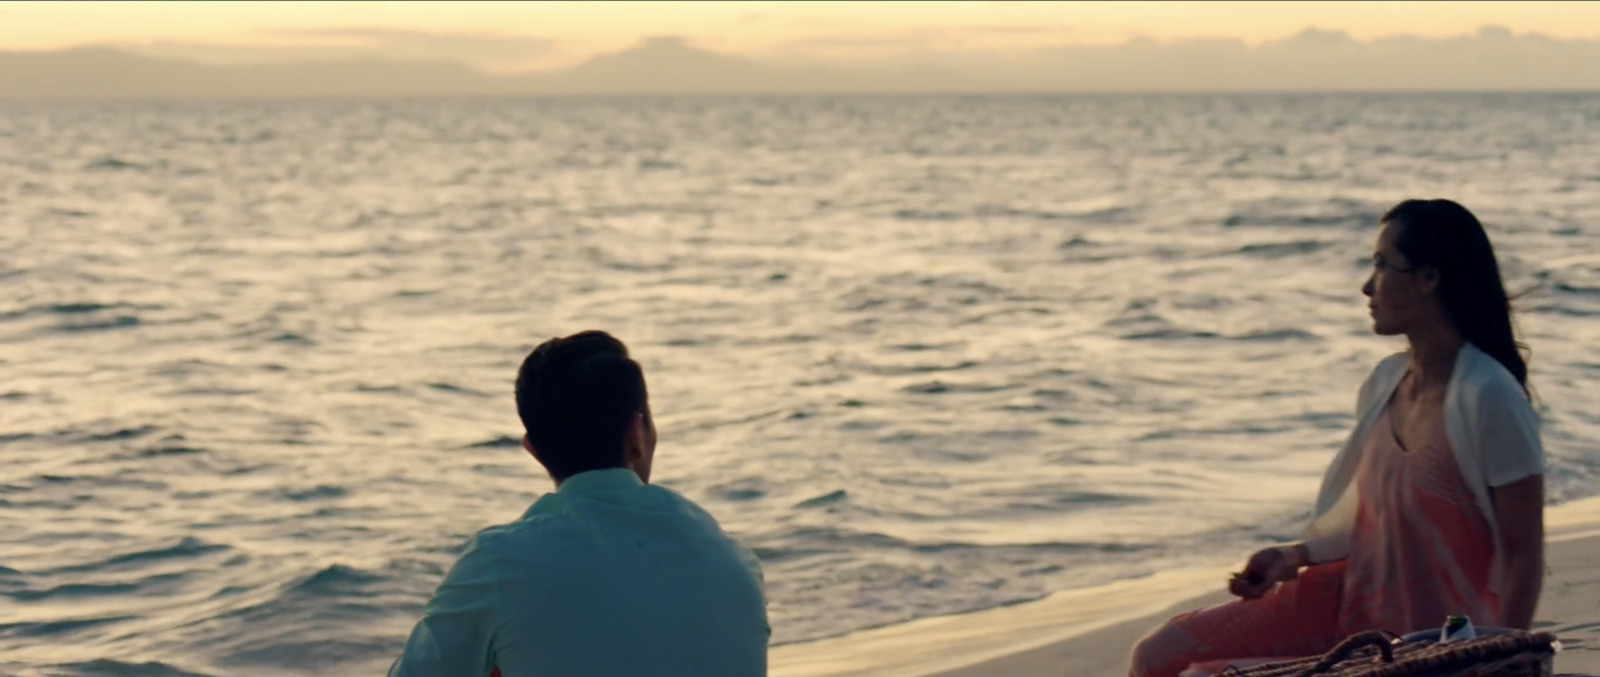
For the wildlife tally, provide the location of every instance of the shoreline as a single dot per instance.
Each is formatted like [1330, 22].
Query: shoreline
[1087, 632]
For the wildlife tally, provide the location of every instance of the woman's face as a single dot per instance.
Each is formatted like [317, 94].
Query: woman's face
[1400, 297]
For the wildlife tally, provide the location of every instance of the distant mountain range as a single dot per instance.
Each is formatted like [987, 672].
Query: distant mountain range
[1492, 60]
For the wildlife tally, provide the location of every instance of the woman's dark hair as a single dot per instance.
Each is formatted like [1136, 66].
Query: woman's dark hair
[576, 397]
[1445, 236]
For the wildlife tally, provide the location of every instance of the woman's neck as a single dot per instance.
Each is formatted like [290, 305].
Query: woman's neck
[1433, 355]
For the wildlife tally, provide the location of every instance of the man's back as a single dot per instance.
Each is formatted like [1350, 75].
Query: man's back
[607, 576]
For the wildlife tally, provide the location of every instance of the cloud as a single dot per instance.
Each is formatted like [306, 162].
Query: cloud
[1002, 29]
[435, 44]
[928, 39]
[494, 52]
[1313, 60]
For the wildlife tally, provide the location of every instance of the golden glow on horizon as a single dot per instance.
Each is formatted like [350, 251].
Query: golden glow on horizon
[580, 29]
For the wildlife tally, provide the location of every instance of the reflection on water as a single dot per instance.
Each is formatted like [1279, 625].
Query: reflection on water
[924, 355]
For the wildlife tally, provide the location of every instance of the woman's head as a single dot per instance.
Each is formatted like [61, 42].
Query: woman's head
[1433, 264]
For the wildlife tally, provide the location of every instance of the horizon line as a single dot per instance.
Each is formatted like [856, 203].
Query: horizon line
[577, 96]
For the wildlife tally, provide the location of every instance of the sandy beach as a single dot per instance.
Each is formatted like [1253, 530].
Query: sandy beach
[1088, 632]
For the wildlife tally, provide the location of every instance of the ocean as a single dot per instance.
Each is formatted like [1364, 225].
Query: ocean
[924, 355]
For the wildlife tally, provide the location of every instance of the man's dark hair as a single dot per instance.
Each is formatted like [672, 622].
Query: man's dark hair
[576, 397]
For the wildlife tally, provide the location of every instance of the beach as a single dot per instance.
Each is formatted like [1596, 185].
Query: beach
[1088, 632]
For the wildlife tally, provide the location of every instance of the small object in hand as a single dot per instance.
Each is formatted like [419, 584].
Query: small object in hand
[1245, 584]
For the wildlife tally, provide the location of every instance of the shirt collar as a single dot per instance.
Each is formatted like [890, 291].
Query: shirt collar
[595, 481]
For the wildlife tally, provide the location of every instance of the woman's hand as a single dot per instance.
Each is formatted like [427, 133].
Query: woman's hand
[1267, 568]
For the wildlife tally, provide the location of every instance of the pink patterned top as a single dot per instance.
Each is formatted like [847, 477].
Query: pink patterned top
[1421, 549]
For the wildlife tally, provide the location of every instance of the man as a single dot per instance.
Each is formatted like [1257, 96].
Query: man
[609, 575]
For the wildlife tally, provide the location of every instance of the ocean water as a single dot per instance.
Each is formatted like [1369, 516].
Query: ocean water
[924, 355]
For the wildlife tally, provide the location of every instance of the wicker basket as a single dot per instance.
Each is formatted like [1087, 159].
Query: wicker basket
[1382, 654]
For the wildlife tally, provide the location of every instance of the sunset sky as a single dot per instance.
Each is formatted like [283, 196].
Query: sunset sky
[535, 35]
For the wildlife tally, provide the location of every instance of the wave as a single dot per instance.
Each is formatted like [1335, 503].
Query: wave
[313, 653]
[113, 163]
[1277, 335]
[334, 580]
[1183, 433]
[1104, 215]
[827, 499]
[185, 548]
[144, 586]
[80, 308]
[73, 590]
[1336, 213]
[317, 493]
[820, 539]
[1577, 289]
[1098, 216]
[1076, 242]
[1181, 334]
[501, 442]
[747, 489]
[928, 215]
[453, 388]
[649, 164]
[52, 629]
[961, 365]
[1169, 335]
[120, 434]
[1565, 311]
[118, 322]
[105, 667]
[172, 447]
[332, 615]
[941, 388]
[86, 316]
[1280, 249]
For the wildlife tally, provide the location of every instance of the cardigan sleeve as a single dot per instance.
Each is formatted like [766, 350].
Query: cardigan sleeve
[1506, 432]
[1328, 536]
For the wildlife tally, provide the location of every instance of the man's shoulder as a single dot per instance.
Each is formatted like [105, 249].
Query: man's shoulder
[554, 517]
[675, 497]
[701, 515]
[546, 515]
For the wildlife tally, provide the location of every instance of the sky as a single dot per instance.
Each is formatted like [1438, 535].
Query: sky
[510, 36]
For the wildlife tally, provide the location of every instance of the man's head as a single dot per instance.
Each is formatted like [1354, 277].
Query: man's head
[583, 405]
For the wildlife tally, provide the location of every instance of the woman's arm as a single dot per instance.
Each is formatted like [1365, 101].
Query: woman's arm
[1519, 511]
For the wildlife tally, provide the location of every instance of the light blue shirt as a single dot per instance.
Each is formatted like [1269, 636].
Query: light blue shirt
[608, 576]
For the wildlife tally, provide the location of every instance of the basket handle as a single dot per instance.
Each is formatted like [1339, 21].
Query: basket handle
[1383, 639]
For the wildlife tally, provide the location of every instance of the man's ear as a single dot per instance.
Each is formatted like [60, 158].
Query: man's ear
[633, 442]
[527, 445]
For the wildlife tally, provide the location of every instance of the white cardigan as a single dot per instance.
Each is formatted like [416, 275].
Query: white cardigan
[1493, 432]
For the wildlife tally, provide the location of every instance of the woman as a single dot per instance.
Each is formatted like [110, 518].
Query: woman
[1434, 506]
